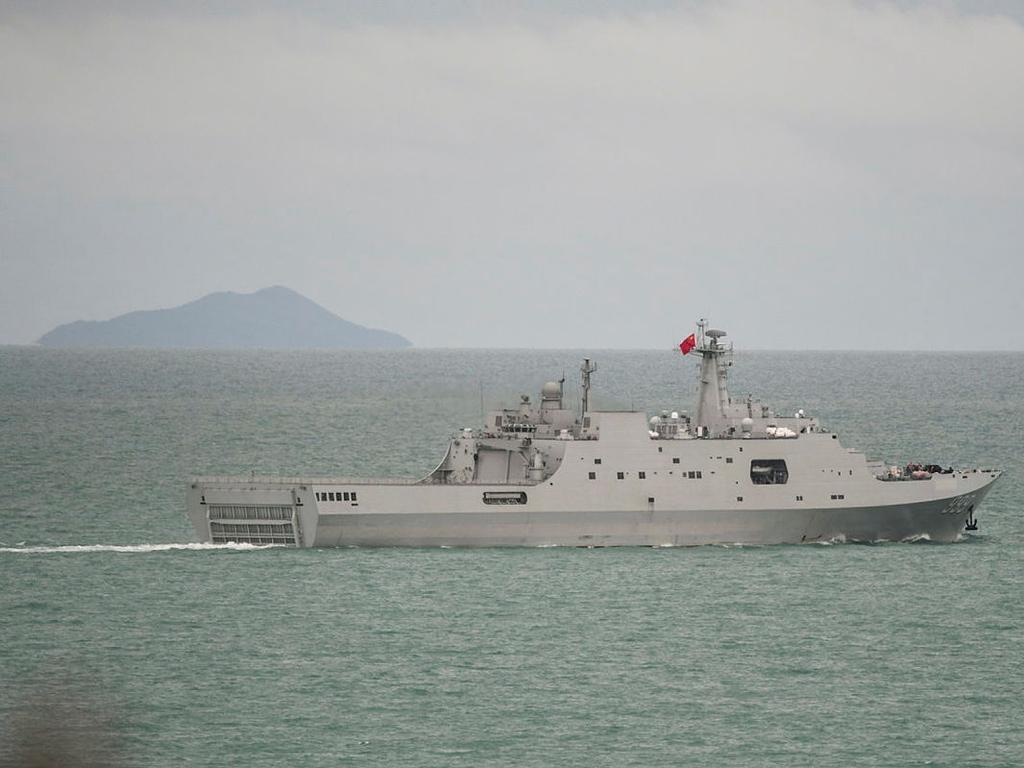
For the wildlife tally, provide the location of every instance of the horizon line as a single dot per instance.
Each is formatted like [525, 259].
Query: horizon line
[35, 345]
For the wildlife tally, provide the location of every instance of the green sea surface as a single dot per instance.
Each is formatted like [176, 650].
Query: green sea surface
[121, 642]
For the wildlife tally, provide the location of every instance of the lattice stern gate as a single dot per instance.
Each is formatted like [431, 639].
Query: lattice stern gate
[247, 515]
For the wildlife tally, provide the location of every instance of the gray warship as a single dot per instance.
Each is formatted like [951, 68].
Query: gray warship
[546, 475]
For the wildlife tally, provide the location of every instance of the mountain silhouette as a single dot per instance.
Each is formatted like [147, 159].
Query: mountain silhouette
[273, 318]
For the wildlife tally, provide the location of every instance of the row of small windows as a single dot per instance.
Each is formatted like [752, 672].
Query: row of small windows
[697, 475]
[675, 459]
[515, 427]
[762, 471]
[834, 497]
[692, 475]
[336, 496]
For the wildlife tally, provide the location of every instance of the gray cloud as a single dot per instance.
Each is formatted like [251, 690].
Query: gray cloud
[809, 174]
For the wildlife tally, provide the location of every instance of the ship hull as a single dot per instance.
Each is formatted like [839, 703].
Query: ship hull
[940, 519]
[926, 520]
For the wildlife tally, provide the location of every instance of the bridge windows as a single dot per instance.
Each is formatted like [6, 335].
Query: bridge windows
[768, 472]
[675, 460]
[642, 475]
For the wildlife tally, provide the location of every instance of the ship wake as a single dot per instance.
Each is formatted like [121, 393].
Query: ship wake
[130, 548]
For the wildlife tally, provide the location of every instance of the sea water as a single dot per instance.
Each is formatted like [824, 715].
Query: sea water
[122, 637]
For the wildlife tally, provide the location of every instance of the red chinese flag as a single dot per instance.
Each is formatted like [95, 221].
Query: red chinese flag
[687, 344]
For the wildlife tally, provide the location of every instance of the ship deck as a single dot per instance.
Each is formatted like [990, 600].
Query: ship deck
[236, 480]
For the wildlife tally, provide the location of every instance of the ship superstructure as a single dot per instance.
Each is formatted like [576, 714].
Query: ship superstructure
[543, 474]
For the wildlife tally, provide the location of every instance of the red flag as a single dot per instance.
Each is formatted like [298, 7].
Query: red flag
[687, 344]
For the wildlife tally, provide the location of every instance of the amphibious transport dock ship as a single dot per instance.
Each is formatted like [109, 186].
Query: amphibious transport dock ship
[543, 475]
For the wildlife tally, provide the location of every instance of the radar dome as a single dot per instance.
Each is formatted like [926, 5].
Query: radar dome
[747, 424]
[551, 391]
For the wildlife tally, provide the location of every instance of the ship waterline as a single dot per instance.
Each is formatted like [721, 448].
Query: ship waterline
[547, 476]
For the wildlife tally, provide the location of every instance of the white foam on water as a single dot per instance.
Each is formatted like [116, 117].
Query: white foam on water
[132, 548]
[916, 538]
[840, 539]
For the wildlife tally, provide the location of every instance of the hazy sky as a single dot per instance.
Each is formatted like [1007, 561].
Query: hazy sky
[807, 174]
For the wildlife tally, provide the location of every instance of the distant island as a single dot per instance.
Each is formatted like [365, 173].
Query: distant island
[273, 318]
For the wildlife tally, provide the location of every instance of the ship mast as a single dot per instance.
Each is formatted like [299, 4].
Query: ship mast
[713, 396]
[585, 370]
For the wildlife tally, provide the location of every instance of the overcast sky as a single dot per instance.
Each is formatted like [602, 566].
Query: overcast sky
[807, 174]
